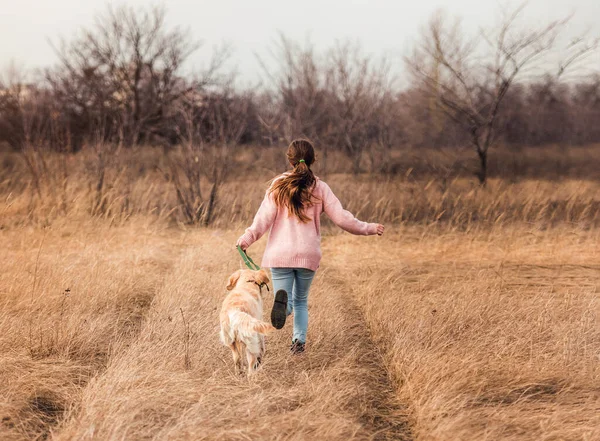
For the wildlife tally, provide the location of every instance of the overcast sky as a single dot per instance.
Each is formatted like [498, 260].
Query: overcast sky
[388, 26]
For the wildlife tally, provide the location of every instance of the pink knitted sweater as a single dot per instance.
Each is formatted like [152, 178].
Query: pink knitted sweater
[295, 244]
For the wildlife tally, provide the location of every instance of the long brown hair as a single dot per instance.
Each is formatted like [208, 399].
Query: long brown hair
[294, 190]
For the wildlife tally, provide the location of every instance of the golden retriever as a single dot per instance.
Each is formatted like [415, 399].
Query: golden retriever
[242, 328]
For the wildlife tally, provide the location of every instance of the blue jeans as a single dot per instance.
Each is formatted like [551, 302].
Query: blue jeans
[296, 282]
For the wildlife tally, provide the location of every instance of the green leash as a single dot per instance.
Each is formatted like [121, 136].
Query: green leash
[248, 260]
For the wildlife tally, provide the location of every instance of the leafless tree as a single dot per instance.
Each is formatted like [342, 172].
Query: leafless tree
[296, 101]
[336, 98]
[121, 80]
[212, 124]
[19, 109]
[470, 77]
[28, 123]
[360, 95]
[586, 98]
[124, 71]
[297, 77]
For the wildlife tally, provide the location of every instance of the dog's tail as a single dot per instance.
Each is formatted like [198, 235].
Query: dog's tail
[246, 324]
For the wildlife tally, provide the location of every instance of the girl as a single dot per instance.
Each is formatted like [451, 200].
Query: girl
[291, 210]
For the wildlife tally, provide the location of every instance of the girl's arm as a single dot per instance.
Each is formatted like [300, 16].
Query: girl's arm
[343, 218]
[264, 218]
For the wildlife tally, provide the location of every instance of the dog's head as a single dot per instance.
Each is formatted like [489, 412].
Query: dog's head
[259, 277]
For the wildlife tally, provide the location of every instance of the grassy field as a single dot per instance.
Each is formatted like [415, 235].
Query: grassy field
[475, 317]
[427, 333]
[541, 186]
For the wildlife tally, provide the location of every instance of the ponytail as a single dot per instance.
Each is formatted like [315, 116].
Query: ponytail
[294, 190]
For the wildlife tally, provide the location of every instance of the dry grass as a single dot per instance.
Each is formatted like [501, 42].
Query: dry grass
[134, 187]
[494, 335]
[110, 375]
[476, 317]
[430, 334]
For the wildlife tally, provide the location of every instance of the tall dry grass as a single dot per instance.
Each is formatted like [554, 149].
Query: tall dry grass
[113, 375]
[493, 335]
[475, 317]
[427, 333]
[434, 190]
[69, 298]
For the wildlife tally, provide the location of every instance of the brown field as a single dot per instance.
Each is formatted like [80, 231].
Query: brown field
[540, 186]
[475, 317]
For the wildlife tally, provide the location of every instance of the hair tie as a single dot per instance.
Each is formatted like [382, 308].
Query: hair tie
[302, 160]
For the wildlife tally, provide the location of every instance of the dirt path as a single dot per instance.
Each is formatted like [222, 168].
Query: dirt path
[482, 342]
[90, 299]
[338, 390]
[382, 414]
[133, 351]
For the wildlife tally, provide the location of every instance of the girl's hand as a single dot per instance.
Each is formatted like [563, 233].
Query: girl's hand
[241, 245]
[380, 229]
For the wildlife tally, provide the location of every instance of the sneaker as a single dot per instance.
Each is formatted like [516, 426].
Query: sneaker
[278, 313]
[297, 347]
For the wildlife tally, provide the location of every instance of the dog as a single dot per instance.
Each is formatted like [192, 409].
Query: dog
[242, 328]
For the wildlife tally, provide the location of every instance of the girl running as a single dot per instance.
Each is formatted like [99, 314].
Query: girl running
[291, 210]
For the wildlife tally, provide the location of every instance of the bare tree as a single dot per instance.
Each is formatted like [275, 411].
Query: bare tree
[212, 124]
[298, 81]
[470, 77]
[335, 98]
[298, 100]
[28, 123]
[587, 105]
[359, 92]
[19, 106]
[124, 71]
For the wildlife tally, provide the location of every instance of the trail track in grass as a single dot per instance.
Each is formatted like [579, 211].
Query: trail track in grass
[336, 390]
[92, 290]
[422, 334]
[487, 335]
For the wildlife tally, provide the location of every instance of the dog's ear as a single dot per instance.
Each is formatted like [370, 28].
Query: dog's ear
[261, 277]
[233, 280]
